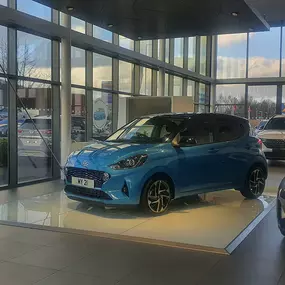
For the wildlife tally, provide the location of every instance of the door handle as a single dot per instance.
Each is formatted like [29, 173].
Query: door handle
[213, 150]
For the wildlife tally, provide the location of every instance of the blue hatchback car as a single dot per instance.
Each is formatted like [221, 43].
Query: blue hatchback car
[158, 158]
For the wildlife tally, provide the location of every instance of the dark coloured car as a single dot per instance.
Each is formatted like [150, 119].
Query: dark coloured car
[281, 207]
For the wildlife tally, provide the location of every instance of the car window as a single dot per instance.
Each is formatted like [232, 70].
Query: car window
[276, 124]
[198, 131]
[41, 124]
[228, 129]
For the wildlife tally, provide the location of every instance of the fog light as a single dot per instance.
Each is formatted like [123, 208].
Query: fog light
[105, 177]
[125, 190]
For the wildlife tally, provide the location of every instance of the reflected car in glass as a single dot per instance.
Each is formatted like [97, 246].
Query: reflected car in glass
[158, 158]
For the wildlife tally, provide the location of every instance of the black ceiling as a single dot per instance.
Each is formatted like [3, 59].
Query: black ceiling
[150, 19]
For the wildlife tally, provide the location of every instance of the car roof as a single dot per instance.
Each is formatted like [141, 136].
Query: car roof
[188, 115]
[279, 116]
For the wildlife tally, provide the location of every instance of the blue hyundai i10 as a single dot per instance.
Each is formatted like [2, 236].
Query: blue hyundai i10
[158, 158]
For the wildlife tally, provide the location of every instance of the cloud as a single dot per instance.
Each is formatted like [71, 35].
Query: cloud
[228, 40]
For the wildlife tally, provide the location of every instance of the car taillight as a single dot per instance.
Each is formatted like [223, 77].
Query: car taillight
[20, 131]
[259, 141]
[46, 132]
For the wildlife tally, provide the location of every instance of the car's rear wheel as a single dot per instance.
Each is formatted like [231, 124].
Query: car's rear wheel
[280, 220]
[254, 184]
[157, 195]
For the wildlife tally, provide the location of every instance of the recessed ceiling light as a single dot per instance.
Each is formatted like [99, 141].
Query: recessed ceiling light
[69, 8]
[235, 14]
[139, 38]
[110, 25]
[250, 29]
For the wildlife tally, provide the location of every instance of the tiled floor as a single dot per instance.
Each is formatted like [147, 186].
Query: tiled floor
[39, 257]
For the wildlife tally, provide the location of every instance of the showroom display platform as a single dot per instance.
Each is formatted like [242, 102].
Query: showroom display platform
[215, 222]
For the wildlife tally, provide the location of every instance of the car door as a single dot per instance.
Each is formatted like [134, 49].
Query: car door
[198, 155]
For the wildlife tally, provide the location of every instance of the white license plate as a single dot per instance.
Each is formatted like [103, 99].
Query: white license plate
[87, 183]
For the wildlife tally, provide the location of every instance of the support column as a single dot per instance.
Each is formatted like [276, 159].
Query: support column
[213, 73]
[279, 100]
[115, 84]
[65, 92]
[154, 74]
[171, 61]
[185, 65]
[137, 70]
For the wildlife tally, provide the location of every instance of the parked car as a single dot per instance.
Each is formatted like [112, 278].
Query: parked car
[155, 159]
[30, 143]
[273, 138]
[280, 207]
[260, 126]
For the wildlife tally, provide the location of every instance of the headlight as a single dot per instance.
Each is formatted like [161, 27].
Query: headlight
[131, 162]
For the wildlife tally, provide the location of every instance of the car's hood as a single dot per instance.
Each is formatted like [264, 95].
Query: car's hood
[106, 153]
[272, 134]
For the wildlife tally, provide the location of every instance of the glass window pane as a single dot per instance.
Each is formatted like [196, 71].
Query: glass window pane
[200, 99]
[167, 50]
[145, 81]
[126, 43]
[264, 53]
[283, 53]
[166, 84]
[35, 9]
[102, 114]
[261, 102]
[178, 82]
[230, 99]
[3, 2]
[125, 76]
[102, 71]
[77, 25]
[3, 48]
[203, 52]
[191, 53]
[77, 66]
[78, 114]
[34, 156]
[34, 56]
[3, 132]
[146, 48]
[231, 61]
[178, 52]
[102, 34]
[190, 88]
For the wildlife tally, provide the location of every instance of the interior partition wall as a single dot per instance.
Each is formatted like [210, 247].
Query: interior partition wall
[104, 67]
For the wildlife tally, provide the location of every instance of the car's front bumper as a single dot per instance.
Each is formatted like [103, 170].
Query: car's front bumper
[273, 154]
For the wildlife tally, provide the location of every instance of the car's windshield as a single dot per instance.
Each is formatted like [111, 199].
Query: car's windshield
[276, 124]
[262, 124]
[148, 130]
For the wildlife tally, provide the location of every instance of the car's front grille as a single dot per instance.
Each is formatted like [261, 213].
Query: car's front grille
[277, 144]
[95, 175]
[91, 193]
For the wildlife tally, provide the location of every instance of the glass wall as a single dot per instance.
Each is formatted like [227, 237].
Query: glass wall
[201, 100]
[264, 53]
[262, 101]
[231, 61]
[203, 54]
[102, 114]
[190, 88]
[77, 66]
[3, 2]
[230, 99]
[167, 50]
[35, 134]
[77, 25]
[125, 76]
[33, 56]
[178, 83]
[191, 53]
[4, 139]
[166, 84]
[126, 43]
[3, 49]
[145, 81]
[78, 114]
[178, 52]
[33, 8]
[146, 48]
[102, 71]
[102, 34]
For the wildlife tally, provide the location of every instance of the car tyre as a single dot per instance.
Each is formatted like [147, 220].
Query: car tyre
[281, 222]
[254, 184]
[156, 196]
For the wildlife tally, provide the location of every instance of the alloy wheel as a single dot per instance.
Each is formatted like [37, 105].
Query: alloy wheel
[257, 182]
[159, 196]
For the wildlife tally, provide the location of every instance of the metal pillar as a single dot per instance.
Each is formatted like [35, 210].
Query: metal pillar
[185, 65]
[65, 93]
[213, 87]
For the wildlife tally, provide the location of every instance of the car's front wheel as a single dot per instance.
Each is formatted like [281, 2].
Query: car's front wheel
[254, 184]
[280, 219]
[156, 196]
